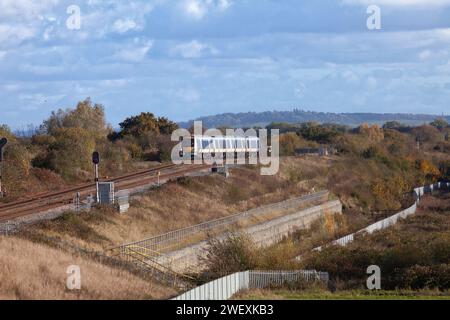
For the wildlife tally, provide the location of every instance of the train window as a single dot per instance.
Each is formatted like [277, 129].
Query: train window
[205, 144]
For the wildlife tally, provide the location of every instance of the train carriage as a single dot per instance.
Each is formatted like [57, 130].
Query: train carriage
[200, 146]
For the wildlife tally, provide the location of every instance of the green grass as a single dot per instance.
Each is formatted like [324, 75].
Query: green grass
[343, 295]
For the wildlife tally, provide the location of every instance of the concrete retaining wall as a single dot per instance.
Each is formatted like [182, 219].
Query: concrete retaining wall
[264, 234]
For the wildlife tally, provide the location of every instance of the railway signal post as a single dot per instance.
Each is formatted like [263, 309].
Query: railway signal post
[3, 142]
[96, 161]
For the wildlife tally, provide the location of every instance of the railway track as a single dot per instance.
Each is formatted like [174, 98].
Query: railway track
[46, 201]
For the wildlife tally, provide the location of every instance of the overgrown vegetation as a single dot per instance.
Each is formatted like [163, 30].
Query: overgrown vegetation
[415, 254]
[376, 166]
[237, 252]
[59, 151]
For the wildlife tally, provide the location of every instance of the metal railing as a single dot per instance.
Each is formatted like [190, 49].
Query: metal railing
[172, 239]
[156, 269]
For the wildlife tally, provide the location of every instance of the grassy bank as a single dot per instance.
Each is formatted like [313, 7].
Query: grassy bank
[34, 271]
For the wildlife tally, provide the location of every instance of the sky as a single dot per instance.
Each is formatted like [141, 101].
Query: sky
[188, 58]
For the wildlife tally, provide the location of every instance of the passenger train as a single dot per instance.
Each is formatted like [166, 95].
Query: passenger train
[200, 146]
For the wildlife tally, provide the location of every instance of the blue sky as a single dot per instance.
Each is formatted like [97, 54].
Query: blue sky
[188, 58]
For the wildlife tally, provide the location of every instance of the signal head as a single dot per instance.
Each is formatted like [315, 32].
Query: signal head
[96, 157]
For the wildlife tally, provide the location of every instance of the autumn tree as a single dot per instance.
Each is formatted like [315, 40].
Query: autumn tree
[289, 142]
[16, 163]
[146, 123]
[86, 115]
[68, 138]
[439, 123]
[429, 172]
[145, 133]
[71, 151]
[374, 133]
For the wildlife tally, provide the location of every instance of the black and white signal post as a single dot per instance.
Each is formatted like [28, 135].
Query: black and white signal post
[96, 161]
[3, 142]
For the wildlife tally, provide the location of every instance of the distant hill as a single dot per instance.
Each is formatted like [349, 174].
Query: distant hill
[251, 119]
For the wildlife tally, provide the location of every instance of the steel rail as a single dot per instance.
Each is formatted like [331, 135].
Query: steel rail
[41, 204]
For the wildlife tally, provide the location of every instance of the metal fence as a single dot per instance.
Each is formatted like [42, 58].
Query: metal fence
[392, 220]
[224, 288]
[172, 239]
[264, 279]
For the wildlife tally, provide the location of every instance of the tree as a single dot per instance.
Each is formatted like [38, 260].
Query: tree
[392, 125]
[428, 171]
[71, 151]
[146, 123]
[5, 132]
[427, 133]
[86, 116]
[319, 133]
[289, 142]
[374, 132]
[138, 125]
[166, 126]
[439, 123]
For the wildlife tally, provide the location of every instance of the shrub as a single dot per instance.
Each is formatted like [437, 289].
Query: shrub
[233, 254]
[425, 277]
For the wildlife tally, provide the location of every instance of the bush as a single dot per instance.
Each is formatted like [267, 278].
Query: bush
[425, 277]
[233, 254]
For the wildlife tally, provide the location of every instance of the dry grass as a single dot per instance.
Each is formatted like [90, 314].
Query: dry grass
[415, 253]
[34, 271]
[180, 204]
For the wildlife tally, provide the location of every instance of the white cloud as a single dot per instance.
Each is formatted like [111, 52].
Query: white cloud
[134, 53]
[125, 25]
[193, 49]
[198, 9]
[424, 55]
[15, 34]
[224, 4]
[25, 9]
[114, 83]
[111, 16]
[42, 70]
[195, 9]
